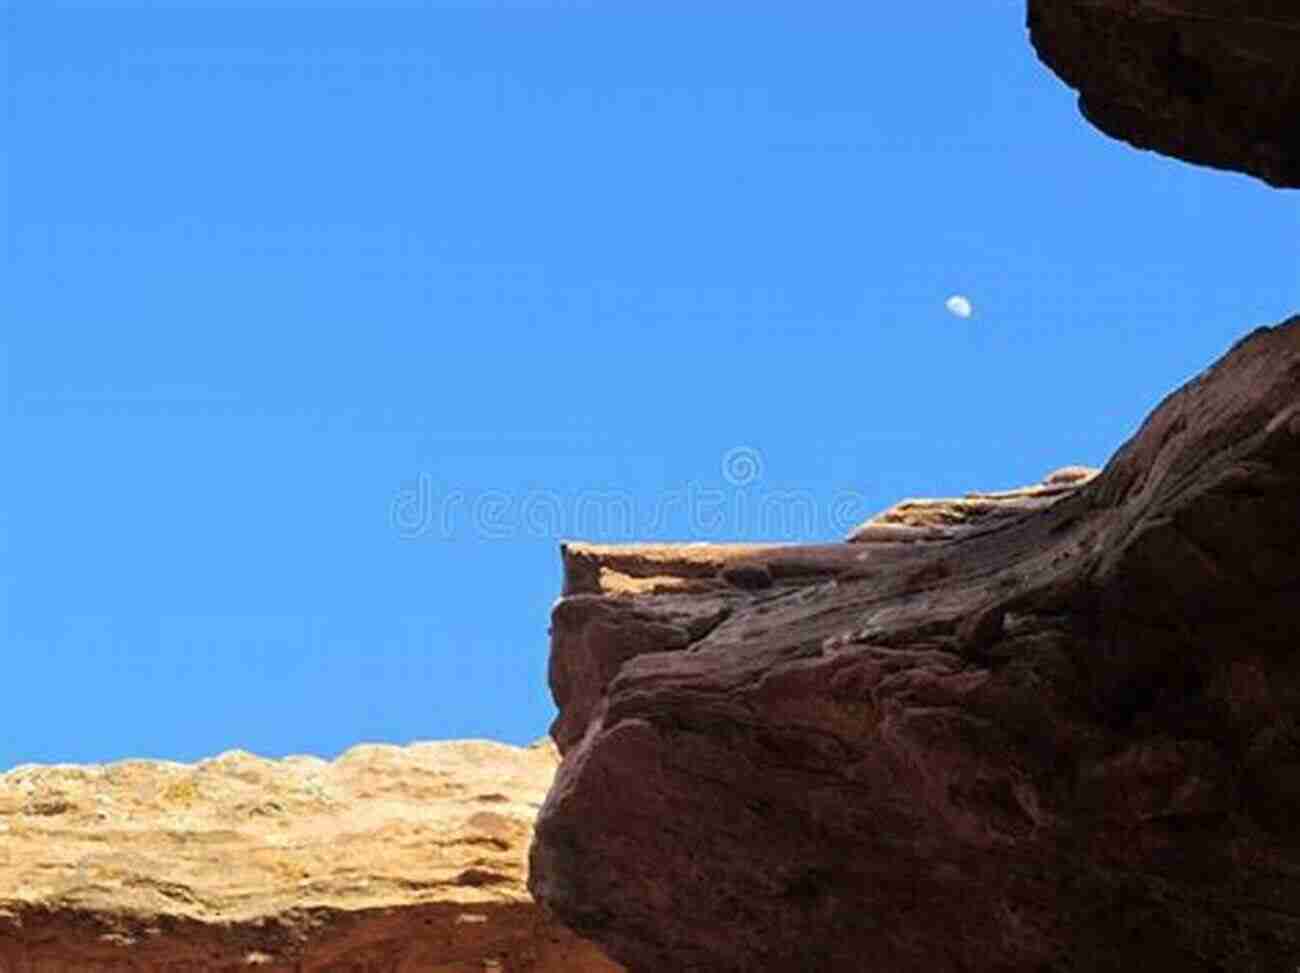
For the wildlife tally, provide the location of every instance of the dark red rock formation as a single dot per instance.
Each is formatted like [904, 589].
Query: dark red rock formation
[1208, 81]
[1064, 739]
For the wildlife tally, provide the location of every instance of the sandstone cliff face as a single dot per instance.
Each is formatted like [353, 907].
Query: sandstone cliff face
[1058, 729]
[1209, 81]
[387, 860]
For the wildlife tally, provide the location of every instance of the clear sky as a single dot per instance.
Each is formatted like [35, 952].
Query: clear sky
[323, 323]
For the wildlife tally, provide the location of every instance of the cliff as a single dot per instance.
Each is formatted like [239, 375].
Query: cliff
[1206, 81]
[1053, 729]
[387, 860]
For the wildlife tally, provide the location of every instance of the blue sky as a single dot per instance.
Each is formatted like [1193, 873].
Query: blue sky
[323, 323]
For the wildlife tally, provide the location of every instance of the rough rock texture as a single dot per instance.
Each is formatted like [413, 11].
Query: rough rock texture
[945, 519]
[388, 860]
[1067, 739]
[1216, 82]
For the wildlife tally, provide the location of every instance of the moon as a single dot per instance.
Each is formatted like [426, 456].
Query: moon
[959, 306]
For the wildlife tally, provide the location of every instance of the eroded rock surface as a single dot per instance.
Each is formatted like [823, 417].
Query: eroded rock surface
[1063, 738]
[944, 519]
[386, 860]
[1208, 81]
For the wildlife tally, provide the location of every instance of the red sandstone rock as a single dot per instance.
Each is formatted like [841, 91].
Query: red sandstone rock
[1066, 738]
[1208, 81]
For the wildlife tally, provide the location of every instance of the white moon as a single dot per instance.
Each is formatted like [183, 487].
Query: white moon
[959, 306]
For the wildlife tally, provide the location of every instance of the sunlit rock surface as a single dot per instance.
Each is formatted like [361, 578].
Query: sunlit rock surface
[386, 860]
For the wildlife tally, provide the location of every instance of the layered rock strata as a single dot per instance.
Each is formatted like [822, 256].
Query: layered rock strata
[945, 519]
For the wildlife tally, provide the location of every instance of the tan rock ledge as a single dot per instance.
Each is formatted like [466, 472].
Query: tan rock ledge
[934, 519]
[386, 859]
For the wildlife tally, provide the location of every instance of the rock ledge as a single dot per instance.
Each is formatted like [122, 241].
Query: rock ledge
[387, 860]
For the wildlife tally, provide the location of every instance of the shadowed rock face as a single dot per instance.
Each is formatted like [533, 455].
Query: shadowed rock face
[387, 860]
[1064, 737]
[1208, 81]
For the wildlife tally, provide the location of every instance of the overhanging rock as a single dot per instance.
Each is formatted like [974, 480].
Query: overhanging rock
[1207, 81]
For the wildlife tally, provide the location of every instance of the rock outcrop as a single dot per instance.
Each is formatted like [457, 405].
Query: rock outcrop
[387, 860]
[1060, 731]
[1207, 81]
